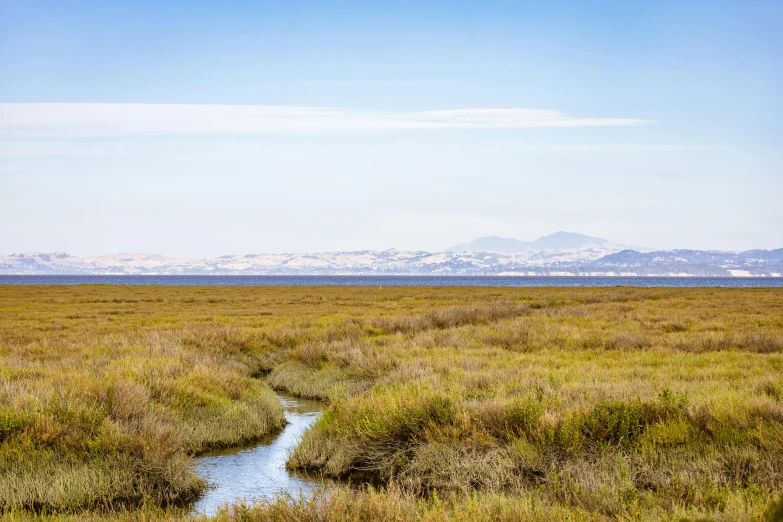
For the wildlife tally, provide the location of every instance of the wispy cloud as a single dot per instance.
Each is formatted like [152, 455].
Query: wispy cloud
[107, 119]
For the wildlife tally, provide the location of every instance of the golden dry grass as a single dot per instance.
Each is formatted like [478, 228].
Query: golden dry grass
[585, 403]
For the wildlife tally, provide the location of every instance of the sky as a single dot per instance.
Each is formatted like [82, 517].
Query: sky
[208, 128]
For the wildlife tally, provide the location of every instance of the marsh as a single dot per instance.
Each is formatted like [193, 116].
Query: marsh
[577, 403]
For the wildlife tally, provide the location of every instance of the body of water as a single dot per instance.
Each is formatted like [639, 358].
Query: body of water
[258, 471]
[315, 280]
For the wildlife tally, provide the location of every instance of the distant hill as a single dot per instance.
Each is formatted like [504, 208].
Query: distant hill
[556, 241]
[631, 258]
[593, 258]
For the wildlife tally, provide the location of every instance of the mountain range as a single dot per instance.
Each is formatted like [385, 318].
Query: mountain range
[559, 254]
[556, 241]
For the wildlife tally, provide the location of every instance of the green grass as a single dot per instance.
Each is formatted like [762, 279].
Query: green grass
[466, 403]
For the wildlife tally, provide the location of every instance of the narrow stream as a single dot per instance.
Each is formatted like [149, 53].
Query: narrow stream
[258, 471]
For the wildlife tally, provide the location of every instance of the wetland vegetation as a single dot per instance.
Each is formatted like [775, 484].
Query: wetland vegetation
[455, 403]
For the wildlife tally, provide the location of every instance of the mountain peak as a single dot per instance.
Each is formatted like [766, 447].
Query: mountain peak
[560, 240]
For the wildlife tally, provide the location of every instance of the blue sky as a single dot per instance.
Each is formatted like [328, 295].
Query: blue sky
[207, 128]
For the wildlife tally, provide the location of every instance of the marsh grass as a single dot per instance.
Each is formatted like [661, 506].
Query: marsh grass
[393, 504]
[464, 403]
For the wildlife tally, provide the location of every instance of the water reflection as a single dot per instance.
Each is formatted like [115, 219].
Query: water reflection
[258, 471]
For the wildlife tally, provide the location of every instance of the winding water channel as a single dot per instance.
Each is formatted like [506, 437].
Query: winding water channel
[258, 471]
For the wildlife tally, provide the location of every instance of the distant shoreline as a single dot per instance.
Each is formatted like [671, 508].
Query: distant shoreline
[467, 276]
[392, 280]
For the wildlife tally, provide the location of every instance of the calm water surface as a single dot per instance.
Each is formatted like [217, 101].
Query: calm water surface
[239, 280]
[258, 471]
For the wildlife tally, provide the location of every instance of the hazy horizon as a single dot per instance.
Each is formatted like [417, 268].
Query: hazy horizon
[431, 251]
[201, 130]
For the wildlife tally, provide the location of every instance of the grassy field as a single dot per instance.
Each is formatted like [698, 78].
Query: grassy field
[462, 403]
